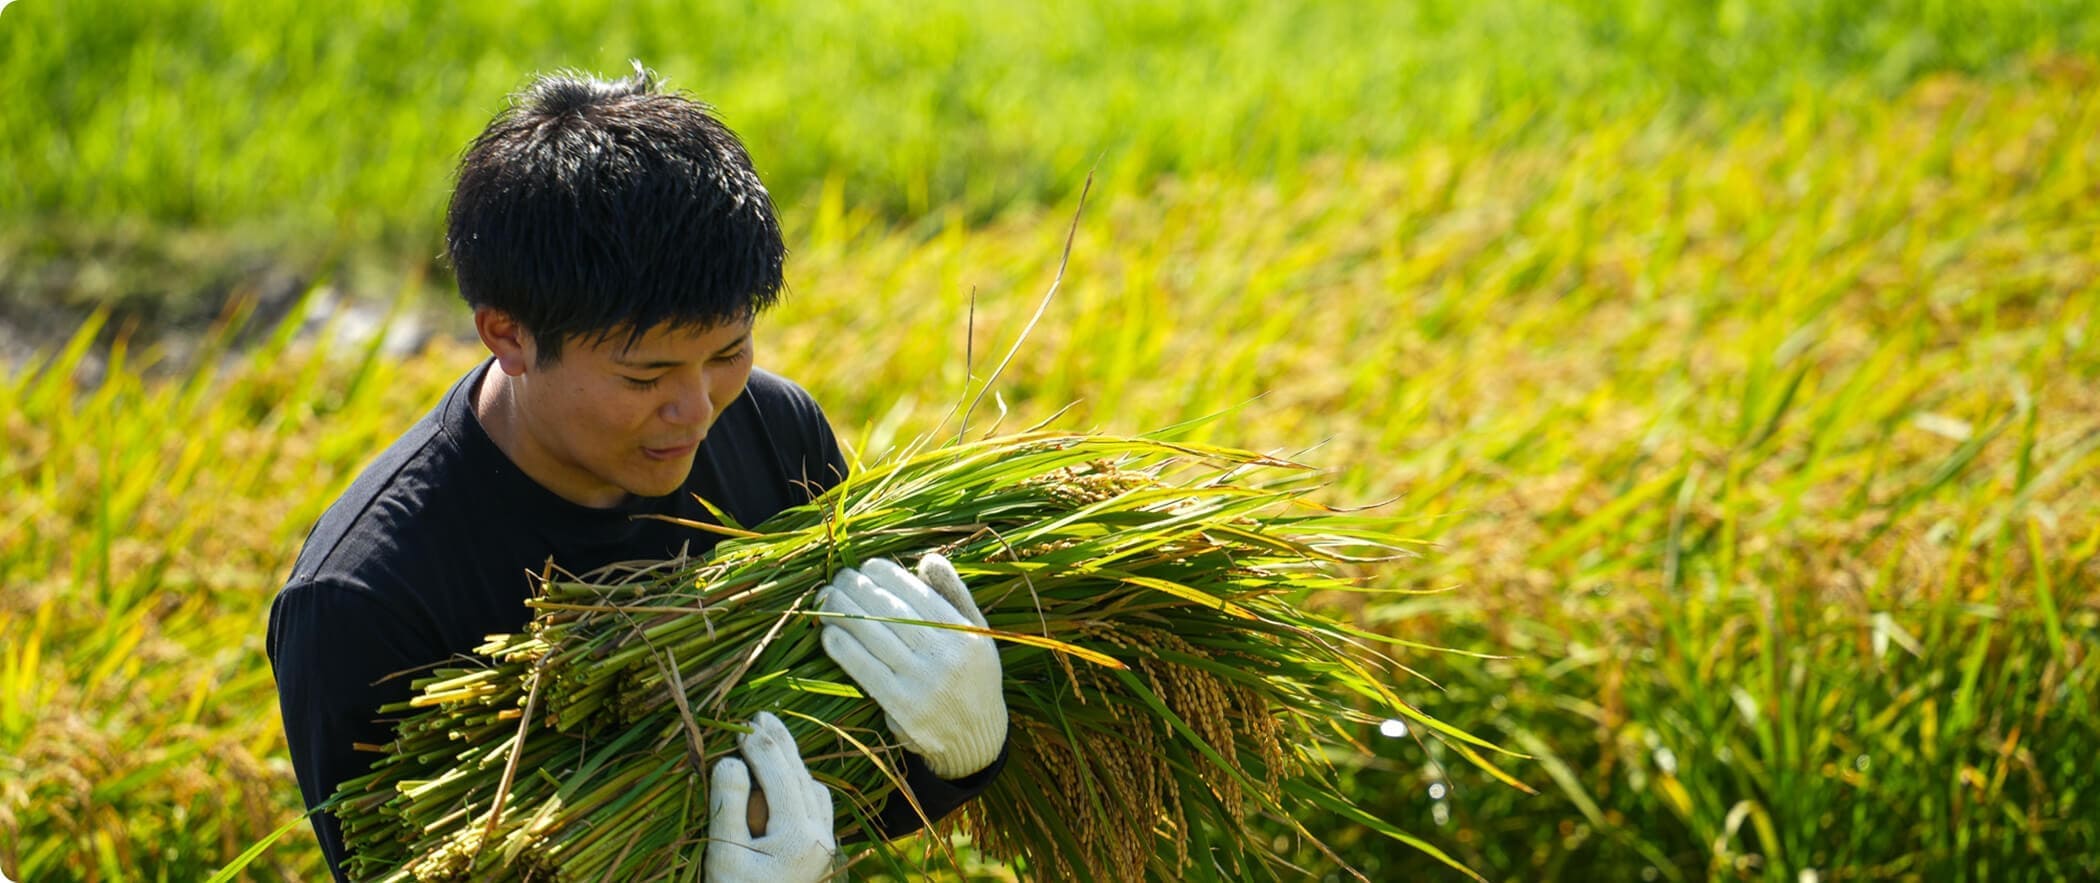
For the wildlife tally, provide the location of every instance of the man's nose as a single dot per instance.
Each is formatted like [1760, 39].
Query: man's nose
[691, 406]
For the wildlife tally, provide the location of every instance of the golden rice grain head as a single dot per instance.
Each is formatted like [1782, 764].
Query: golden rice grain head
[1039, 756]
[1085, 485]
[1106, 794]
[1173, 819]
[1262, 731]
[1205, 703]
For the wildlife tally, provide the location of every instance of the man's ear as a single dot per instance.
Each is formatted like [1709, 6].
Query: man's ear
[508, 340]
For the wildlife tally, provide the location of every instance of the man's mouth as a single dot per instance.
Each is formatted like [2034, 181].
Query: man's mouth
[673, 452]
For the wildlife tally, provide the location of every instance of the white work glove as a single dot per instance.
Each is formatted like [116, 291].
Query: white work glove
[798, 844]
[938, 687]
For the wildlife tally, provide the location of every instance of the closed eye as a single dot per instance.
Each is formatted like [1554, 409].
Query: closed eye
[642, 382]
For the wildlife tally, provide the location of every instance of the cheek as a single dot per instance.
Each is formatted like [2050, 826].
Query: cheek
[610, 419]
[629, 413]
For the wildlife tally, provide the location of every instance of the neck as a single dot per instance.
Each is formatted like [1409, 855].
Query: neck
[496, 408]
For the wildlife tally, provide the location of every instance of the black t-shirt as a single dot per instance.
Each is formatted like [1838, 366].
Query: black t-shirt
[429, 551]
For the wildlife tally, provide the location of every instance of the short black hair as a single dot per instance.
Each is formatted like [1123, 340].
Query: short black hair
[590, 208]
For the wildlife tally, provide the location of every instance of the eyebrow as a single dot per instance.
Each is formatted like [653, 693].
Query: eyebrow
[655, 364]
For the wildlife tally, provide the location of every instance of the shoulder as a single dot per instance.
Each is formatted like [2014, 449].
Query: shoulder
[334, 616]
[774, 393]
[786, 414]
[389, 523]
[368, 562]
[775, 443]
[324, 600]
[379, 509]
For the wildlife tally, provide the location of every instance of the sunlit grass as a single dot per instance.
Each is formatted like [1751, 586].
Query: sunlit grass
[1766, 450]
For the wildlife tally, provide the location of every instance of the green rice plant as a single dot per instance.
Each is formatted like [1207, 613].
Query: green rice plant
[1166, 689]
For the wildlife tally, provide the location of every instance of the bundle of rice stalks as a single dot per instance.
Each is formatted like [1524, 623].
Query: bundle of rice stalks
[1166, 693]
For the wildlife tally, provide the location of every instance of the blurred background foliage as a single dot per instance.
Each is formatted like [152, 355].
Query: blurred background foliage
[1738, 359]
[160, 149]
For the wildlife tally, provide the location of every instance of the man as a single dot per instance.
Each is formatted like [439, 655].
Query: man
[616, 248]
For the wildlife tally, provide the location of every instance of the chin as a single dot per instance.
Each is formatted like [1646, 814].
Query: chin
[654, 488]
[666, 479]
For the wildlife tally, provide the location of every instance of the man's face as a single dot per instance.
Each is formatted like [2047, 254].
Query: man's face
[607, 419]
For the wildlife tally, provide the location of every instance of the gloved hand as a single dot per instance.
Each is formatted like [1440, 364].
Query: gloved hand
[938, 687]
[798, 844]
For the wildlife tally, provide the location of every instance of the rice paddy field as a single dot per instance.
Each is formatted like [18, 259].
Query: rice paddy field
[1737, 362]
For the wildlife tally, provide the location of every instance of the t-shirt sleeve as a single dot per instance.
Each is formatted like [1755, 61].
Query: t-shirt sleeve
[333, 649]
